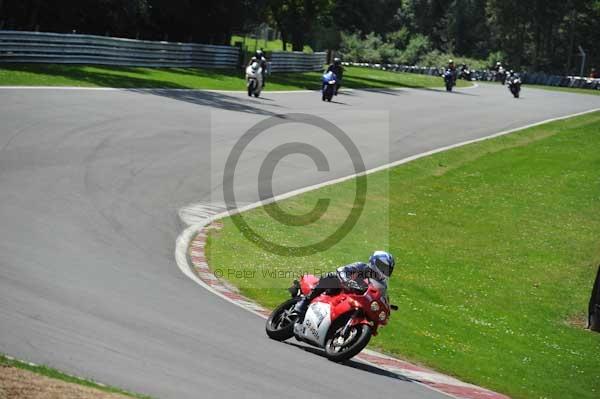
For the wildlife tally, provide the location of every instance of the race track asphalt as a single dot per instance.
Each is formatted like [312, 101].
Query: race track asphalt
[90, 187]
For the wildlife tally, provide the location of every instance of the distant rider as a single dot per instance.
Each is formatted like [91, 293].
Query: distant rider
[338, 69]
[511, 75]
[450, 68]
[500, 73]
[465, 73]
[380, 267]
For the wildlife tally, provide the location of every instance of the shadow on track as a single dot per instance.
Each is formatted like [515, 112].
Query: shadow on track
[389, 92]
[228, 102]
[338, 102]
[353, 363]
[454, 91]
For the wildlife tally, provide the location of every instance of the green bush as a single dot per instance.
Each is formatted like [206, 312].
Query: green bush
[436, 58]
[399, 38]
[417, 47]
[372, 48]
[352, 47]
[498, 56]
[400, 48]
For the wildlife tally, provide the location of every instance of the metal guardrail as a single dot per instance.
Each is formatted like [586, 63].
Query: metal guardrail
[487, 75]
[36, 47]
[297, 61]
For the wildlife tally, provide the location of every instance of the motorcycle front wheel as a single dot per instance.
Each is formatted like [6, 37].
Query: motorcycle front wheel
[280, 326]
[339, 348]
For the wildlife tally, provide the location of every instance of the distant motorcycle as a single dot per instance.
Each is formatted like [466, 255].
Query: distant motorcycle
[328, 86]
[465, 74]
[254, 82]
[341, 324]
[448, 76]
[514, 85]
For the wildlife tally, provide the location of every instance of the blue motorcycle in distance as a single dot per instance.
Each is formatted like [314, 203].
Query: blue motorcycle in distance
[328, 86]
[448, 76]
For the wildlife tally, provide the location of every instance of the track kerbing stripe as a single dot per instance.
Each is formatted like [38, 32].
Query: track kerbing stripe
[432, 379]
[190, 258]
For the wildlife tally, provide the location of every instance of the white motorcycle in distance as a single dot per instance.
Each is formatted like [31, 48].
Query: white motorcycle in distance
[254, 79]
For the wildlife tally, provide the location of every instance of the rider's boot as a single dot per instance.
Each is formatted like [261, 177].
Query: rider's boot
[301, 307]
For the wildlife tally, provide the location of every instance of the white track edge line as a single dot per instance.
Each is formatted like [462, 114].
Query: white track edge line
[184, 239]
[394, 164]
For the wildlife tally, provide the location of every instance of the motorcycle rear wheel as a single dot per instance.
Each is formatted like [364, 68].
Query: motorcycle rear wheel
[279, 327]
[362, 335]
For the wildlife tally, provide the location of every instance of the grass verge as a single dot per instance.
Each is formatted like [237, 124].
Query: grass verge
[194, 78]
[57, 375]
[555, 88]
[497, 246]
[567, 89]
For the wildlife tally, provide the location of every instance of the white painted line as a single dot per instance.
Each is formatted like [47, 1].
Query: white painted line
[185, 238]
[181, 246]
[397, 163]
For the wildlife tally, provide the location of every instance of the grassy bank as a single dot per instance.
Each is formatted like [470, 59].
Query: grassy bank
[253, 44]
[567, 89]
[57, 375]
[193, 78]
[497, 245]
[555, 88]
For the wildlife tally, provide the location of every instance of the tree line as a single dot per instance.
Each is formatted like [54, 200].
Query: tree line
[541, 35]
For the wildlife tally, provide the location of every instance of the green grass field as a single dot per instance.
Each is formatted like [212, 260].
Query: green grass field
[497, 245]
[267, 45]
[194, 78]
[57, 375]
[567, 89]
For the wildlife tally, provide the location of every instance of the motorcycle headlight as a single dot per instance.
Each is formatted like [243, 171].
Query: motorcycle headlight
[382, 316]
[374, 306]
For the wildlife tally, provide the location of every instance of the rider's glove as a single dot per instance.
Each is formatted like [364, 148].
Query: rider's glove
[353, 285]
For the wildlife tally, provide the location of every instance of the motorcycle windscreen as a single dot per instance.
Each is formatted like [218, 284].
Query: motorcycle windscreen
[316, 323]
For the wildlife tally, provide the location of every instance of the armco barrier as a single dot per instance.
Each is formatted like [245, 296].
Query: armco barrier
[296, 61]
[16, 46]
[36, 47]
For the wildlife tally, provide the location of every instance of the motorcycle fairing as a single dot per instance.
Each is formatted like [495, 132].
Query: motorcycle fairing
[317, 321]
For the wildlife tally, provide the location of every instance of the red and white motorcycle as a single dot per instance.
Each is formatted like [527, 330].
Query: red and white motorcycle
[341, 324]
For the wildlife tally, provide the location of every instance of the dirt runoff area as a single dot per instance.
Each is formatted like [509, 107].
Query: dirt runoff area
[20, 384]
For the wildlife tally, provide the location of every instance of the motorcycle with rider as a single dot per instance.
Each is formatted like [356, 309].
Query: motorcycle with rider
[449, 75]
[514, 83]
[337, 68]
[338, 312]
